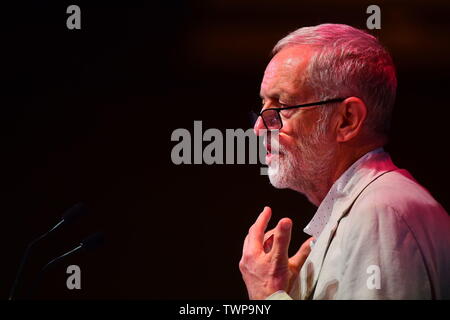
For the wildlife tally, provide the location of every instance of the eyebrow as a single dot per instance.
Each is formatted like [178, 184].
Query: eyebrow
[271, 96]
[277, 96]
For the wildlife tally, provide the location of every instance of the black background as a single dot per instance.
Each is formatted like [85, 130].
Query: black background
[87, 115]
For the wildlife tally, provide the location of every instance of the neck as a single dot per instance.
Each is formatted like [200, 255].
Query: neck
[345, 157]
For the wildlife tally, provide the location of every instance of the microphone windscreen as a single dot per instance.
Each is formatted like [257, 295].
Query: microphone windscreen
[93, 241]
[74, 212]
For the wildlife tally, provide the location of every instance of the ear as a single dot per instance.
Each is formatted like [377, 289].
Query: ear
[351, 115]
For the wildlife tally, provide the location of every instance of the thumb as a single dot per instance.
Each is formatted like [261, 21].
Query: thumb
[299, 258]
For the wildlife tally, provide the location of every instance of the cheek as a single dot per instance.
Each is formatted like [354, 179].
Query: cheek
[292, 132]
[289, 141]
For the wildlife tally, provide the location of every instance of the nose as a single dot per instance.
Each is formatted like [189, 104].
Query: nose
[259, 125]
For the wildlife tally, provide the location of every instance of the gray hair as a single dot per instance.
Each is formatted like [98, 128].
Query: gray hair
[348, 62]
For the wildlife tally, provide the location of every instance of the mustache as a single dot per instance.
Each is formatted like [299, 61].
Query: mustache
[272, 143]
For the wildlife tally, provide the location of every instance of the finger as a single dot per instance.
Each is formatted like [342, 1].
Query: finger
[282, 237]
[256, 232]
[268, 243]
[299, 258]
[268, 240]
[245, 244]
[268, 234]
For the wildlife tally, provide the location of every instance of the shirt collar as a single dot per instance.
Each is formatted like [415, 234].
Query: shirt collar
[339, 189]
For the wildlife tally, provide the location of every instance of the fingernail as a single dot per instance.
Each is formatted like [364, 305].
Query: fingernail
[285, 225]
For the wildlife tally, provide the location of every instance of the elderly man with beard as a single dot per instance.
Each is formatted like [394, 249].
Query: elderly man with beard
[328, 93]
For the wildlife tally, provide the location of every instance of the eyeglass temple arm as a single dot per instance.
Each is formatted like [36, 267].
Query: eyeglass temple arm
[306, 105]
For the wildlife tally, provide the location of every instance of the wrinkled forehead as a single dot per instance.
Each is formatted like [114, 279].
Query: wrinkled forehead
[286, 70]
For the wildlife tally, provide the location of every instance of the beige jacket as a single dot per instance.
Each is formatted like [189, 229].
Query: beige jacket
[386, 238]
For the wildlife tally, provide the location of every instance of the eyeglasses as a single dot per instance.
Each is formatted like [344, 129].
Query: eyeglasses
[272, 119]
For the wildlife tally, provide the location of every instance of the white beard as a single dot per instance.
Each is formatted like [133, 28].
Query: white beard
[280, 168]
[305, 168]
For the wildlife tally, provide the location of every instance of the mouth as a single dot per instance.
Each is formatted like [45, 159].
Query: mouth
[272, 159]
[271, 152]
[268, 148]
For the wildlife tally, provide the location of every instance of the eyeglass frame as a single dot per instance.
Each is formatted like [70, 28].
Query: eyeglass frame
[278, 110]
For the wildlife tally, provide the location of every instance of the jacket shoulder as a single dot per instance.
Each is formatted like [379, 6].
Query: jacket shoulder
[396, 214]
[399, 191]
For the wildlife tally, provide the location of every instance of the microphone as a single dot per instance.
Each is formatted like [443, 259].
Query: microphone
[74, 213]
[91, 242]
[68, 217]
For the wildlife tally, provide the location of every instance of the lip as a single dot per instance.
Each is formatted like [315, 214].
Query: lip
[269, 149]
[268, 146]
[271, 152]
[269, 157]
[268, 152]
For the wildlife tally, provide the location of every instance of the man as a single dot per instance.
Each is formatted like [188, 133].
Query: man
[329, 91]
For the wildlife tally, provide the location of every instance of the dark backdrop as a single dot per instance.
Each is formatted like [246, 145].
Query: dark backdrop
[87, 115]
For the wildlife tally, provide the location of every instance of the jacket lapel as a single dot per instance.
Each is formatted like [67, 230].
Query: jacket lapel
[369, 172]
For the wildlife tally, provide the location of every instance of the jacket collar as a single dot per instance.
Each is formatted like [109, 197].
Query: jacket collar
[341, 190]
[346, 190]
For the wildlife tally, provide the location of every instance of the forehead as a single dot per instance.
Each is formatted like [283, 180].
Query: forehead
[285, 72]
